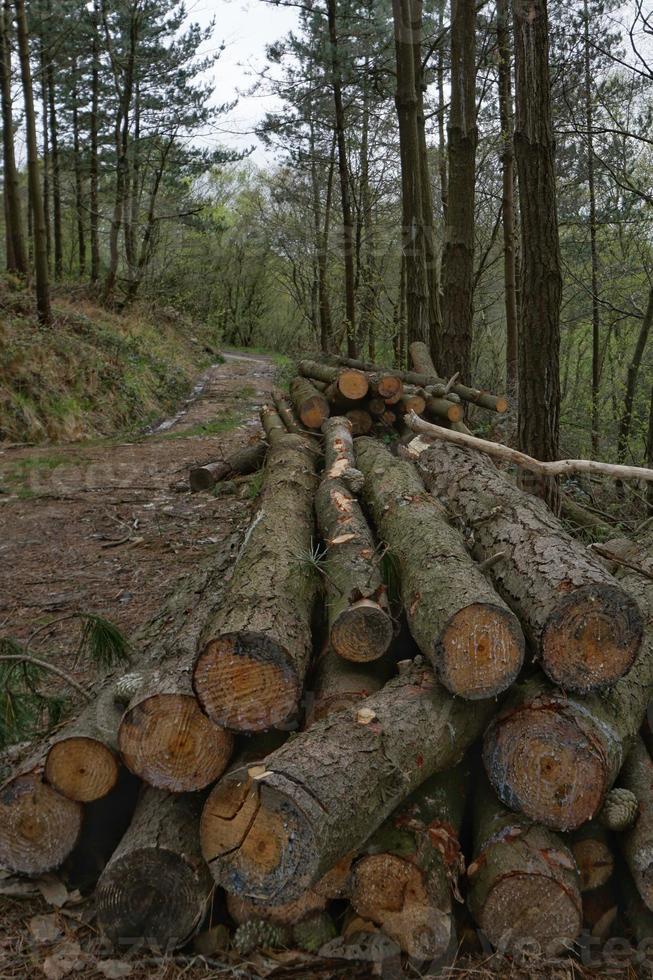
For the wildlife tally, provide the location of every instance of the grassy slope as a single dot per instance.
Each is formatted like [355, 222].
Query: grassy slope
[94, 372]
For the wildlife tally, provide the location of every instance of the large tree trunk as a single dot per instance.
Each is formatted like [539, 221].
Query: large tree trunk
[637, 844]
[523, 881]
[16, 254]
[275, 833]
[594, 255]
[625, 422]
[94, 125]
[541, 279]
[156, 888]
[36, 200]
[507, 121]
[247, 460]
[458, 621]
[77, 159]
[56, 169]
[584, 626]
[403, 883]
[458, 253]
[250, 671]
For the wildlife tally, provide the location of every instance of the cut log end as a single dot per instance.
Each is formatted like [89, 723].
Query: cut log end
[245, 682]
[362, 632]
[592, 639]
[390, 387]
[361, 421]
[201, 478]
[82, 769]
[391, 891]
[595, 862]
[352, 384]
[540, 762]
[255, 843]
[170, 743]
[38, 826]
[533, 907]
[314, 411]
[480, 652]
[151, 895]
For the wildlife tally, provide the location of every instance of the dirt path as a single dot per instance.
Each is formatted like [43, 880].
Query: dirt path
[107, 527]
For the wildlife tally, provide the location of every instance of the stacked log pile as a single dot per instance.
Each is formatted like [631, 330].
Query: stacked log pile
[405, 691]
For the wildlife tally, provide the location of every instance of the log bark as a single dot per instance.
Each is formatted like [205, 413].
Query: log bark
[248, 460]
[286, 412]
[320, 796]
[458, 621]
[442, 408]
[403, 881]
[38, 826]
[339, 457]
[272, 423]
[637, 844]
[359, 623]
[156, 888]
[350, 382]
[523, 881]
[584, 626]
[420, 358]
[592, 852]
[254, 655]
[340, 684]
[311, 405]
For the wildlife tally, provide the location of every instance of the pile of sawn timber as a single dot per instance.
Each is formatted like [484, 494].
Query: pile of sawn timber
[405, 701]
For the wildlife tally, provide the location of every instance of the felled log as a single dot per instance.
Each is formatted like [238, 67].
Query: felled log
[359, 623]
[310, 404]
[248, 460]
[413, 401]
[523, 882]
[375, 406]
[442, 408]
[350, 382]
[339, 457]
[386, 385]
[341, 683]
[272, 424]
[156, 888]
[592, 852]
[286, 413]
[637, 843]
[361, 421]
[404, 881]
[254, 655]
[275, 833]
[585, 627]
[468, 633]
[38, 826]
[425, 369]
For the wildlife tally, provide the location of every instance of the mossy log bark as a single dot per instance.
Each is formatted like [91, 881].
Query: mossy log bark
[637, 843]
[350, 382]
[286, 413]
[255, 652]
[310, 404]
[585, 627]
[156, 889]
[359, 623]
[248, 460]
[320, 796]
[339, 457]
[404, 881]
[458, 621]
[592, 851]
[272, 424]
[523, 881]
[340, 683]
[555, 756]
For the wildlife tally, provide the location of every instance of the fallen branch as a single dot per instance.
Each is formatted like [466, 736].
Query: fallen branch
[43, 665]
[558, 467]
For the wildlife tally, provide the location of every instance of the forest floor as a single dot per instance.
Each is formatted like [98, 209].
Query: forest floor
[108, 526]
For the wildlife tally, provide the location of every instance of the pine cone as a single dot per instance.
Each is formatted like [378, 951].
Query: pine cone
[619, 810]
[312, 933]
[259, 934]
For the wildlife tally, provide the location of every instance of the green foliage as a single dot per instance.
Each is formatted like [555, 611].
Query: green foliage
[256, 485]
[24, 708]
[392, 577]
[102, 642]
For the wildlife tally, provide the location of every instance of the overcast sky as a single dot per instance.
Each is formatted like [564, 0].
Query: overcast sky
[245, 27]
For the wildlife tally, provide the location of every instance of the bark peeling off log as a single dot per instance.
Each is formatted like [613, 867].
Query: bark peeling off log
[272, 836]
[38, 826]
[459, 622]
[584, 625]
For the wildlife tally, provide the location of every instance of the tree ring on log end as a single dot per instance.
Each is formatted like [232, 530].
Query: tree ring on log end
[530, 906]
[38, 826]
[480, 651]
[592, 638]
[594, 861]
[362, 632]
[150, 895]
[541, 763]
[82, 768]
[245, 682]
[169, 742]
[257, 842]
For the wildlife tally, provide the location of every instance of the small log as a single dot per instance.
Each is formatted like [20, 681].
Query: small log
[272, 424]
[442, 408]
[286, 413]
[275, 832]
[580, 517]
[387, 385]
[340, 684]
[403, 881]
[311, 405]
[39, 827]
[351, 383]
[637, 843]
[361, 421]
[252, 662]
[388, 418]
[376, 406]
[412, 402]
[523, 882]
[156, 888]
[473, 640]
[584, 626]
[339, 458]
[248, 460]
[359, 623]
[590, 846]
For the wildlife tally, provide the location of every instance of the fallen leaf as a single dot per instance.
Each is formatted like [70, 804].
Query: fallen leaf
[341, 539]
[45, 928]
[53, 890]
[64, 961]
[114, 969]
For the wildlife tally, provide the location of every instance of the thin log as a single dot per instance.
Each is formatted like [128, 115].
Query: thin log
[350, 382]
[412, 402]
[311, 405]
[320, 796]
[286, 413]
[255, 652]
[584, 627]
[637, 844]
[523, 882]
[468, 633]
[376, 406]
[593, 855]
[442, 408]
[387, 385]
[272, 424]
[361, 421]
[156, 888]
[341, 683]
[339, 458]
[248, 460]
